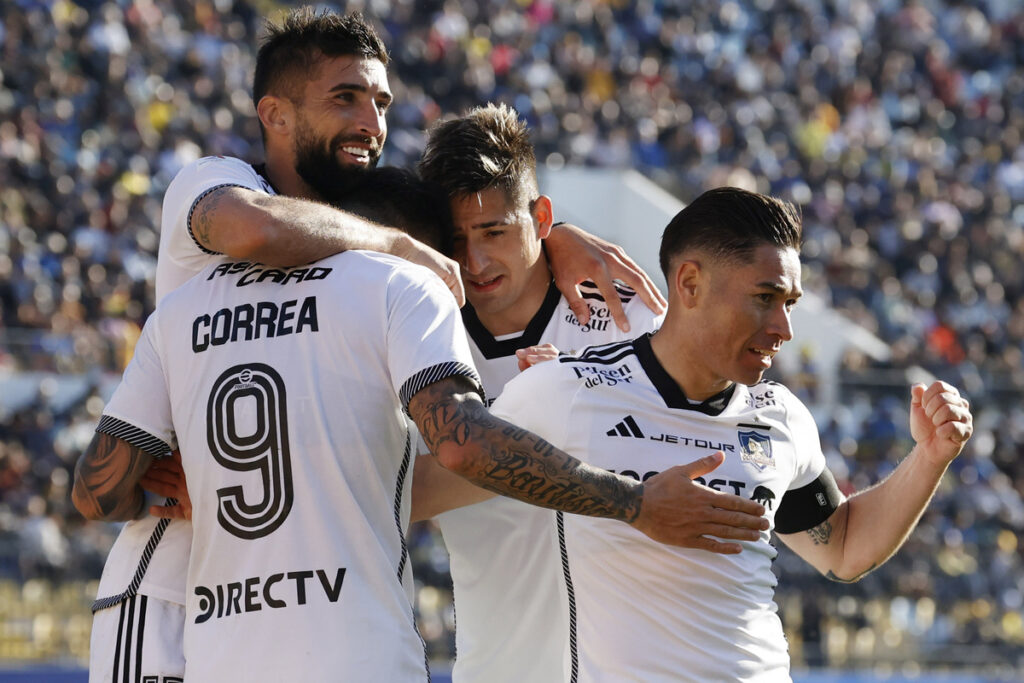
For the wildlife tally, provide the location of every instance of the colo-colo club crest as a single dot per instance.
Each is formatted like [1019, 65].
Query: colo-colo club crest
[756, 448]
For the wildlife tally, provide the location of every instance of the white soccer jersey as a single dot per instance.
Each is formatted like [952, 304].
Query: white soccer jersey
[181, 256]
[150, 555]
[285, 390]
[511, 611]
[645, 611]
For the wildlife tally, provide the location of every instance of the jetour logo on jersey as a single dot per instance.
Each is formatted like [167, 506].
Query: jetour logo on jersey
[756, 448]
[629, 428]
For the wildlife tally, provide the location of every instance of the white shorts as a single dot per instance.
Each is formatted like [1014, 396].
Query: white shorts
[138, 640]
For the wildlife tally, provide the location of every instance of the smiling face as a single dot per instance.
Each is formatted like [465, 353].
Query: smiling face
[498, 246]
[739, 316]
[340, 124]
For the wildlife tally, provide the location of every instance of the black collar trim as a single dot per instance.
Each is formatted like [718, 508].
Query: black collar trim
[670, 391]
[491, 347]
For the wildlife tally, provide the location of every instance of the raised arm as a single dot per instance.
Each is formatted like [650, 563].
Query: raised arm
[285, 231]
[575, 255]
[107, 478]
[869, 527]
[505, 459]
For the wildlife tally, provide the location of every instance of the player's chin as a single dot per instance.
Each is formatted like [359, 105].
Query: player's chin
[749, 376]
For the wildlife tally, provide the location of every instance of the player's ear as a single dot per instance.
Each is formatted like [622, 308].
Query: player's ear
[542, 215]
[277, 114]
[688, 283]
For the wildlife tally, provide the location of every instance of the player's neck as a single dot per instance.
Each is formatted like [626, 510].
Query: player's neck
[516, 317]
[672, 348]
[285, 179]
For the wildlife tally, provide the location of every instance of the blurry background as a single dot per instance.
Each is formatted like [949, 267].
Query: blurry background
[895, 125]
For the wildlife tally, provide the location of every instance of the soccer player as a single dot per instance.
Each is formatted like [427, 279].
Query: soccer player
[650, 613]
[288, 397]
[510, 597]
[321, 93]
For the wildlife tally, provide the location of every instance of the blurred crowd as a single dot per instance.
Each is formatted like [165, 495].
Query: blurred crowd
[896, 126]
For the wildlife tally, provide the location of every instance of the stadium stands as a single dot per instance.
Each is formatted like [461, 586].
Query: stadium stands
[897, 126]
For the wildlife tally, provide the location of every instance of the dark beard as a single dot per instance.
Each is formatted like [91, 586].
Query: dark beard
[319, 167]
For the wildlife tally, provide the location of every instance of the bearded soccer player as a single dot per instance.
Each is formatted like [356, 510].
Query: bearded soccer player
[694, 387]
[321, 93]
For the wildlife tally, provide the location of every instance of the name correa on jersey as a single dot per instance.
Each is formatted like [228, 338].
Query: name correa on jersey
[246, 322]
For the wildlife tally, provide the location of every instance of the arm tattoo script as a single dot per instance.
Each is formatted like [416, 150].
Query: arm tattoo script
[202, 220]
[515, 462]
[106, 479]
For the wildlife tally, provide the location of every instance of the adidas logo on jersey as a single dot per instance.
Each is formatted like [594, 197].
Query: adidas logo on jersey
[628, 427]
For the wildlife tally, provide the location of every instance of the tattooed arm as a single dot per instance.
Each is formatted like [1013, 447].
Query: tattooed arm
[285, 231]
[506, 459]
[107, 480]
[868, 528]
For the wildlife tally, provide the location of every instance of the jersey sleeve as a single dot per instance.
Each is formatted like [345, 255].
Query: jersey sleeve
[539, 400]
[426, 340]
[191, 184]
[812, 495]
[139, 411]
[810, 460]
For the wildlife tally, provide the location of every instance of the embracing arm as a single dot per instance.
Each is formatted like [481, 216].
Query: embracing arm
[502, 458]
[285, 231]
[107, 480]
[507, 460]
[868, 528]
[575, 255]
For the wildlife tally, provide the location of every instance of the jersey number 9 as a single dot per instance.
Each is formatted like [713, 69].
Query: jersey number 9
[251, 399]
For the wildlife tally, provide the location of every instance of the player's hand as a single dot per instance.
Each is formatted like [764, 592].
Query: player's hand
[417, 252]
[940, 421]
[575, 255]
[166, 477]
[678, 511]
[531, 355]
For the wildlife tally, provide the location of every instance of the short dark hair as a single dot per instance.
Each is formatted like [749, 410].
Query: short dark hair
[399, 198]
[292, 48]
[730, 224]
[487, 148]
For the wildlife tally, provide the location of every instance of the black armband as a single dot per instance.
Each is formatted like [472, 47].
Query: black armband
[808, 506]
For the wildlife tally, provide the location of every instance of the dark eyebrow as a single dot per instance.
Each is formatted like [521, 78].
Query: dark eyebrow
[488, 224]
[359, 87]
[779, 289]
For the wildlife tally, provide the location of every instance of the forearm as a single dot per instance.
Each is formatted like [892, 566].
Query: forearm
[510, 461]
[881, 518]
[296, 231]
[106, 486]
[283, 231]
[872, 525]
